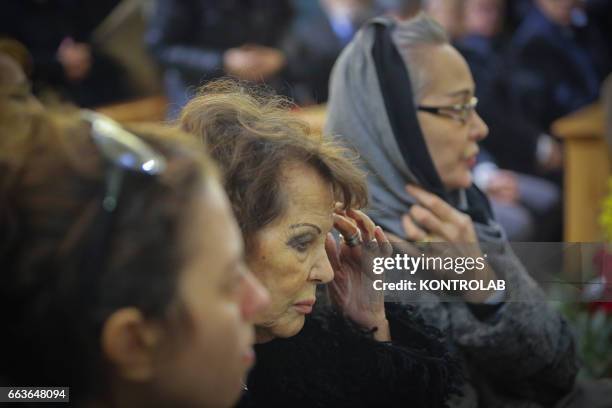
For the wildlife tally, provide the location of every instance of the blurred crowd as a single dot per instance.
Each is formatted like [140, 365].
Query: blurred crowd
[533, 61]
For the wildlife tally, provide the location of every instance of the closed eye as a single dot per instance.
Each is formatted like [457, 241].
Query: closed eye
[301, 242]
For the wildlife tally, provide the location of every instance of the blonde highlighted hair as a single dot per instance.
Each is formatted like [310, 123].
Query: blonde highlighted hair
[252, 135]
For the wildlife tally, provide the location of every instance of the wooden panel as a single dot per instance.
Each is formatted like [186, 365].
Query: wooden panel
[314, 115]
[587, 167]
[151, 109]
[584, 123]
[586, 174]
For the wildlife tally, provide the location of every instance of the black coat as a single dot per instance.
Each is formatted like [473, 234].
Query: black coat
[41, 25]
[558, 70]
[512, 139]
[334, 363]
[312, 48]
[189, 37]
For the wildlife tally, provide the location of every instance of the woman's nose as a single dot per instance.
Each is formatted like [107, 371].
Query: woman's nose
[322, 271]
[255, 298]
[478, 128]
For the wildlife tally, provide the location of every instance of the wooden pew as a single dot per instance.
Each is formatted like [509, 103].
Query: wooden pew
[587, 168]
[313, 115]
[150, 109]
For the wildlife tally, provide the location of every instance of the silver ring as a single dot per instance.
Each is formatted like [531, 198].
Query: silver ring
[353, 240]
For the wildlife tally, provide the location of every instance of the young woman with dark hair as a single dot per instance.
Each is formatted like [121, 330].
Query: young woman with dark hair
[122, 273]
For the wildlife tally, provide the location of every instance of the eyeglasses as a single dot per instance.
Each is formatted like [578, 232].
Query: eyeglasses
[458, 112]
[123, 152]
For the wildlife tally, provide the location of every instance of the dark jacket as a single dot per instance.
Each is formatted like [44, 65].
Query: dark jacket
[512, 139]
[559, 69]
[334, 363]
[189, 37]
[312, 48]
[41, 25]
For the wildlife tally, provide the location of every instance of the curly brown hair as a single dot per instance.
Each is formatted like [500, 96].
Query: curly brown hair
[51, 189]
[252, 135]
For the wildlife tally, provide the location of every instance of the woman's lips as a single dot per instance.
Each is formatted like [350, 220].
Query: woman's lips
[304, 306]
[470, 155]
[471, 162]
[248, 356]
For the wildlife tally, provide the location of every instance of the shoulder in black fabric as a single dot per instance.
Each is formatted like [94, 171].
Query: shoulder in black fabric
[333, 362]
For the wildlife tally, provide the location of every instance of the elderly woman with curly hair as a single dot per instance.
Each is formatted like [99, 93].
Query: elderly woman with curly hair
[289, 189]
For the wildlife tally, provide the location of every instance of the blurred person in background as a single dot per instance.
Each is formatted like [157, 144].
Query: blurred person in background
[518, 154]
[67, 62]
[198, 40]
[316, 40]
[516, 142]
[361, 351]
[449, 13]
[599, 12]
[403, 97]
[514, 13]
[122, 270]
[400, 9]
[560, 60]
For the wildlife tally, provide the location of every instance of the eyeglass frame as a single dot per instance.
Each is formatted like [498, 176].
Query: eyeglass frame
[124, 152]
[464, 110]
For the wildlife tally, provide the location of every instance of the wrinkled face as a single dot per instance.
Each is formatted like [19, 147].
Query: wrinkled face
[452, 144]
[483, 16]
[289, 257]
[204, 364]
[559, 11]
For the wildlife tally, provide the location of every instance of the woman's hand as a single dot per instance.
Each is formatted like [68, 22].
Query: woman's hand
[503, 186]
[352, 290]
[253, 62]
[434, 220]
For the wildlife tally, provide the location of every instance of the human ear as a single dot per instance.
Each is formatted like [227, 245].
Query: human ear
[129, 343]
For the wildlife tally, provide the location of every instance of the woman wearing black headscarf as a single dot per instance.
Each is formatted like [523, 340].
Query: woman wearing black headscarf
[404, 98]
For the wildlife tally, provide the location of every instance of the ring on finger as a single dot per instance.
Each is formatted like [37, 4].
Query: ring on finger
[353, 240]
